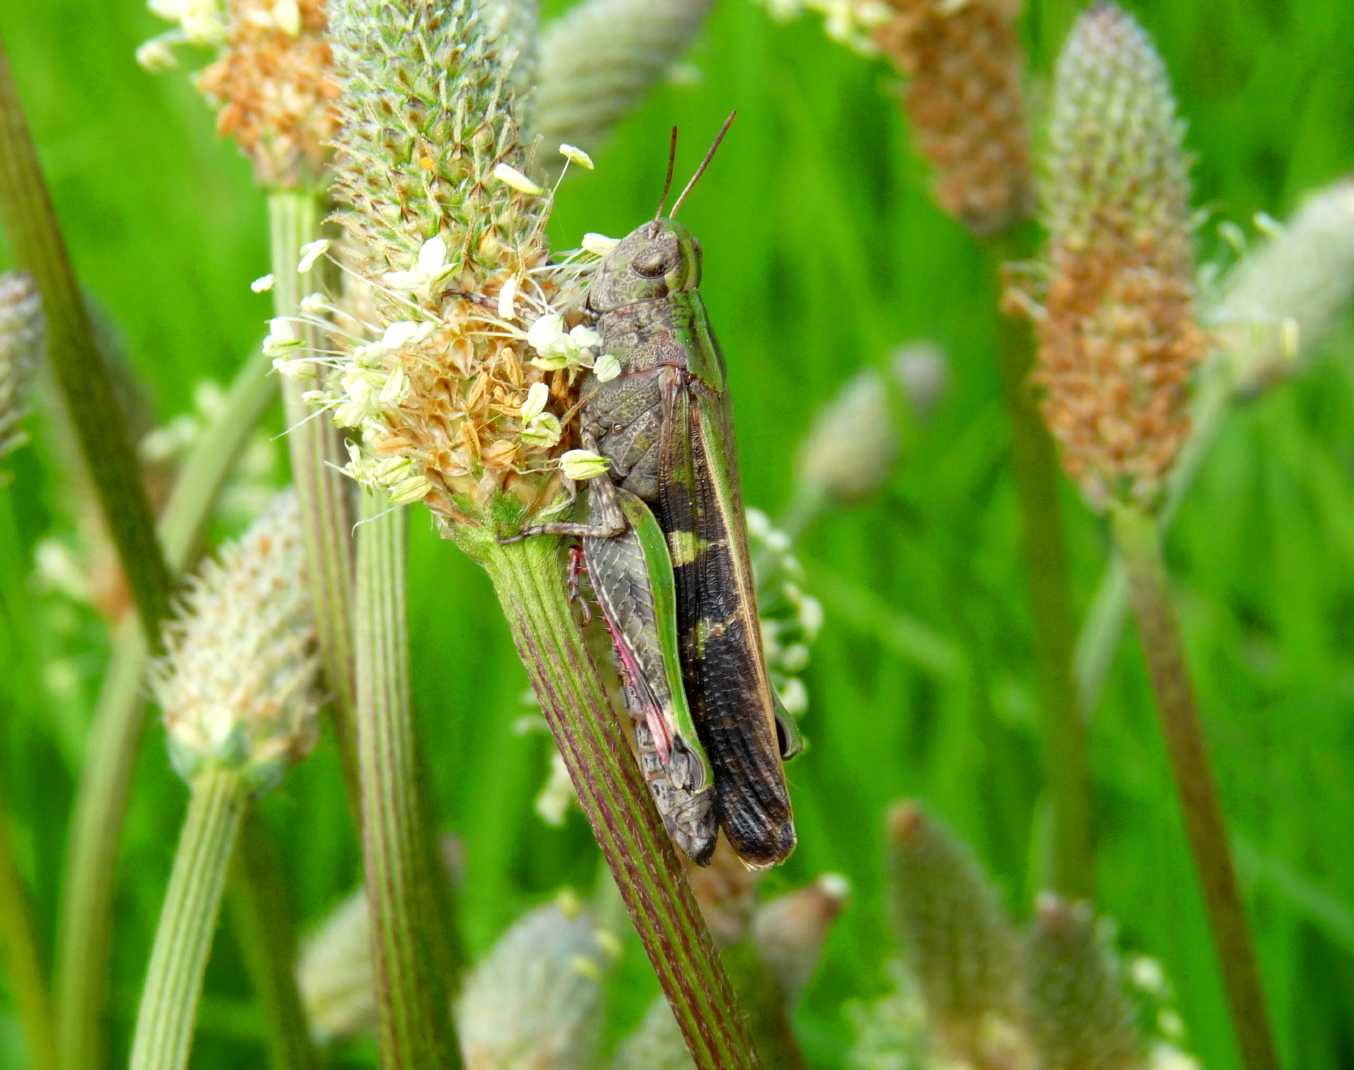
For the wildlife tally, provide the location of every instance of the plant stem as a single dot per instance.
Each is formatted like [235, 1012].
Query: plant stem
[1104, 624]
[265, 935]
[316, 453]
[183, 938]
[529, 579]
[1034, 464]
[407, 948]
[23, 960]
[79, 367]
[1136, 534]
[115, 737]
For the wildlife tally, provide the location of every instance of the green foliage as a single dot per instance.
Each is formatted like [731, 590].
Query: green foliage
[823, 251]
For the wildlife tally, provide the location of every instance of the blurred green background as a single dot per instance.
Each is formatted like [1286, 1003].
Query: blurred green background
[823, 251]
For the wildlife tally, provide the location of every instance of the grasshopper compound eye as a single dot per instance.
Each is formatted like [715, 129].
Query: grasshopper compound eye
[658, 259]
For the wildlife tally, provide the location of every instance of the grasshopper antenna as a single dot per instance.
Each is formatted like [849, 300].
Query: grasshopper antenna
[667, 182]
[704, 164]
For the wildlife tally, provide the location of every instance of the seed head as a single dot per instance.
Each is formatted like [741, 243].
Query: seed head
[445, 226]
[854, 444]
[335, 975]
[238, 682]
[1078, 1017]
[656, 1043]
[790, 930]
[964, 66]
[536, 1001]
[275, 90]
[1117, 335]
[599, 60]
[726, 891]
[890, 1032]
[23, 338]
[959, 941]
[1283, 300]
[271, 81]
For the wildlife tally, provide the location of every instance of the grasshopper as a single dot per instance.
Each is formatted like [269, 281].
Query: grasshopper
[665, 425]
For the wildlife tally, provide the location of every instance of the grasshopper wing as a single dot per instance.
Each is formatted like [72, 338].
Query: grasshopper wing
[631, 574]
[700, 508]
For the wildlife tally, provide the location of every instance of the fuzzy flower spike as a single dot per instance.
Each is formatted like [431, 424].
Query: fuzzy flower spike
[239, 680]
[1118, 337]
[964, 66]
[271, 81]
[23, 333]
[459, 373]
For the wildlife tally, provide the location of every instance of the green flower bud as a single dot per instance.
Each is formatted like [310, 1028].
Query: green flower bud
[334, 972]
[656, 1043]
[891, 1032]
[23, 337]
[1077, 1015]
[239, 680]
[600, 59]
[536, 1002]
[854, 443]
[958, 939]
[790, 930]
[791, 617]
[1287, 295]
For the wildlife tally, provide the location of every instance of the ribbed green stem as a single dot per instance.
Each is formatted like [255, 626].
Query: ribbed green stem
[529, 579]
[264, 931]
[115, 737]
[23, 961]
[183, 938]
[412, 1001]
[1149, 594]
[324, 493]
[1103, 627]
[1034, 464]
[81, 374]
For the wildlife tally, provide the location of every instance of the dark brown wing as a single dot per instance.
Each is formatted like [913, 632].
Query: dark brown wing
[727, 684]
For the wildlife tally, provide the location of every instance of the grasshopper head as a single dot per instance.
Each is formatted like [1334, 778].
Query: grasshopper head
[653, 261]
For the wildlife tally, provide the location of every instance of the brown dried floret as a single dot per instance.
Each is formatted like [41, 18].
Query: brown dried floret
[1118, 335]
[275, 89]
[964, 65]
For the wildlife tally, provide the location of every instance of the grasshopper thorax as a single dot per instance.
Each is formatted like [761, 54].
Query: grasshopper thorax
[653, 261]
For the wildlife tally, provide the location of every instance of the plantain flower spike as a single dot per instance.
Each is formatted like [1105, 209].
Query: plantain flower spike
[334, 973]
[271, 81]
[655, 1044]
[23, 337]
[536, 1000]
[854, 442]
[959, 942]
[1286, 296]
[1118, 338]
[239, 679]
[964, 65]
[890, 1032]
[1078, 1017]
[726, 891]
[790, 930]
[445, 227]
[600, 59]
